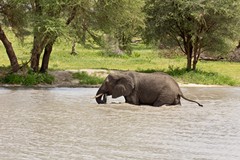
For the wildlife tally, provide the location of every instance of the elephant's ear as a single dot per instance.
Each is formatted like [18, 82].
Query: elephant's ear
[124, 86]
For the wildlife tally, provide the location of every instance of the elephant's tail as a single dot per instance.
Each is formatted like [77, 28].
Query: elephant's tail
[181, 95]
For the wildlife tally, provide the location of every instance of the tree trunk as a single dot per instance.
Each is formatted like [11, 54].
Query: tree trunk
[189, 56]
[38, 46]
[46, 56]
[196, 52]
[73, 52]
[195, 58]
[10, 52]
[188, 50]
[194, 64]
[35, 60]
[189, 62]
[84, 34]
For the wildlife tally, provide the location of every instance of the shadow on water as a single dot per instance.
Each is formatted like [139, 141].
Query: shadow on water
[66, 123]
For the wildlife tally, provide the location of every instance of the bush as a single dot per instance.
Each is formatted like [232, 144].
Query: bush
[29, 79]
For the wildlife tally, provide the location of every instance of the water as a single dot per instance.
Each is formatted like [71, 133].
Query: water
[66, 123]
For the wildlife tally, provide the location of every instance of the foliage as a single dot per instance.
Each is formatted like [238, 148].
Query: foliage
[84, 78]
[49, 19]
[193, 25]
[122, 19]
[13, 14]
[84, 27]
[28, 79]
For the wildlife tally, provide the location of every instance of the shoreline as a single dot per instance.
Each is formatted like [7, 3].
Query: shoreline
[64, 79]
[46, 86]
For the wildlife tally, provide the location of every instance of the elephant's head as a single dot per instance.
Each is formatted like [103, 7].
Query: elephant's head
[118, 84]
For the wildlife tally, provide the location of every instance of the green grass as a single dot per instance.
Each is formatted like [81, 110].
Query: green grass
[142, 59]
[84, 78]
[202, 77]
[197, 77]
[27, 79]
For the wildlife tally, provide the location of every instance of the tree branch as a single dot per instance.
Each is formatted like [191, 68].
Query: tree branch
[178, 42]
[72, 16]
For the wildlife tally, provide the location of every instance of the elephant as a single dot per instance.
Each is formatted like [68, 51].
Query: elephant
[154, 89]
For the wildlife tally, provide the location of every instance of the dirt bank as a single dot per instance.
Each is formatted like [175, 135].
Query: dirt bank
[65, 78]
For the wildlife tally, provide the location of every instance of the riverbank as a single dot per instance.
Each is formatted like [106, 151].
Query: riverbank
[65, 78]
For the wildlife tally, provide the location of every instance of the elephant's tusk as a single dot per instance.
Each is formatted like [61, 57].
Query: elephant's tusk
[99, 95]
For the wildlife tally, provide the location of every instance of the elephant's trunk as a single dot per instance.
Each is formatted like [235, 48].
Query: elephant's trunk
[101, 97]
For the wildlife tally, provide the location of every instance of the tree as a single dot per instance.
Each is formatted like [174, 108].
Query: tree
[9, 49]
[122, 19]
[84, 24]
[11, 14]
[51, 20]
[193, 25]
[65, 13]
[119, 19]
[47, 26]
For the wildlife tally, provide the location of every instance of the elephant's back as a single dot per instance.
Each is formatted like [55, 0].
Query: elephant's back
[155, 85]
[155, 82]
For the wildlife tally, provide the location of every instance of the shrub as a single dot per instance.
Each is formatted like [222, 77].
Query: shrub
[28, 79]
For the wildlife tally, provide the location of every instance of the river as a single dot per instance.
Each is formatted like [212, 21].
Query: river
[66, 123]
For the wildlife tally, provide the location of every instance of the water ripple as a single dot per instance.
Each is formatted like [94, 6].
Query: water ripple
[43, 124]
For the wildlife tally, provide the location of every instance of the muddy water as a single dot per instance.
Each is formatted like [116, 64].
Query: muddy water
[65, 123]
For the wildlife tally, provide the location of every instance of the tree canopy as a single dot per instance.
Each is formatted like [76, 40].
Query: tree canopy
[48, 19]
[195, 26]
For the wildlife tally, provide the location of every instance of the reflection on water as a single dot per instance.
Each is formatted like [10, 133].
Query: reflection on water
[66, 123]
